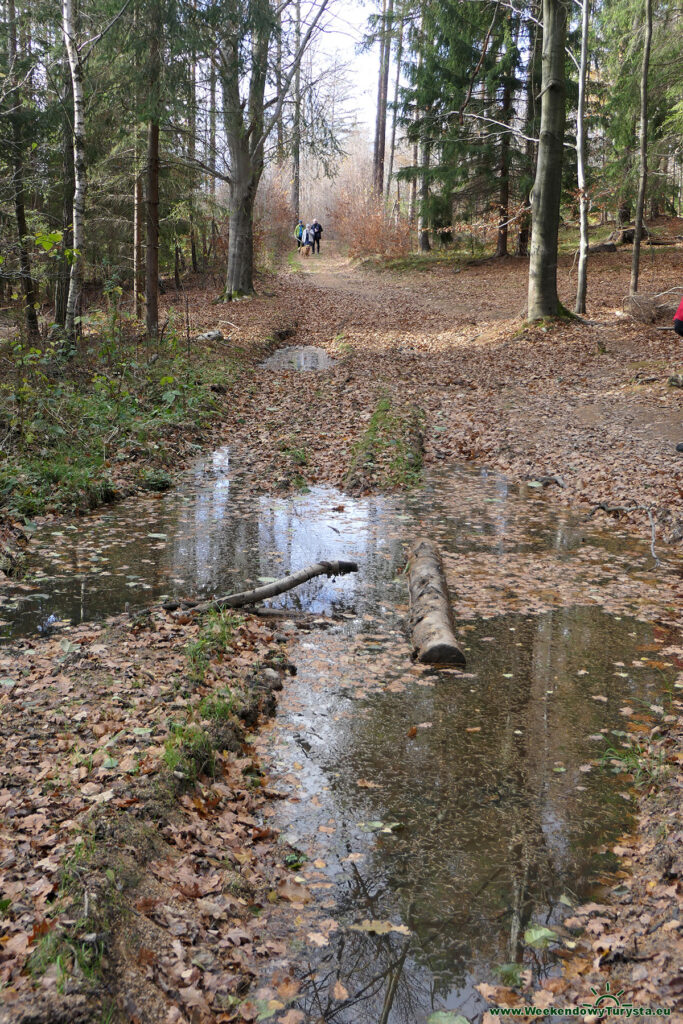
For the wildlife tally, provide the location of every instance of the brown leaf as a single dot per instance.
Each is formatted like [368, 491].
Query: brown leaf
[339, 992]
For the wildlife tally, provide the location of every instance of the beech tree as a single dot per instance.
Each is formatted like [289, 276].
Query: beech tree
[547, 190]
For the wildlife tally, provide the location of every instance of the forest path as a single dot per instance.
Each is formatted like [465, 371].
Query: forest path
[588, 403]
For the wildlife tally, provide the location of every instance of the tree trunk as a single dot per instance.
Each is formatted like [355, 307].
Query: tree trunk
[504, 171]
[394, 118]
[382, 98]
[152, 219]
[582, 278]
[18, 184]
[295, 199]
[212, 136]
[80, 179]
[547, 190]
[423, 216]
[152, 177]
[431, 615]
[522, 248]
[138, 276]
[642, 185]
[240, 280]
[412, 201]
[63, 273]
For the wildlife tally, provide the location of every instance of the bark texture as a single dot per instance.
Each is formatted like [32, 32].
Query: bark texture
[431, 616]
[547, 190]
[582, 279]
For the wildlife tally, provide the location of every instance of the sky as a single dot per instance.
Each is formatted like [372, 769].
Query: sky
[346, 28]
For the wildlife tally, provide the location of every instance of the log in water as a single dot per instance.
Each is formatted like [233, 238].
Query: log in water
[430, 607]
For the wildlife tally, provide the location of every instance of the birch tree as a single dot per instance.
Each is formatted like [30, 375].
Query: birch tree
[581, 162]
[80, 180]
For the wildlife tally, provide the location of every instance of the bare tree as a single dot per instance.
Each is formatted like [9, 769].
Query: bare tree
[243, 62]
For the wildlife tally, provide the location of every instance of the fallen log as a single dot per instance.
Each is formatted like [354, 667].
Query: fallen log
[431, 615]
[281, 586]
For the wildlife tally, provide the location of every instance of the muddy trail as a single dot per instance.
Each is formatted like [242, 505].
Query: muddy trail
[441, 826]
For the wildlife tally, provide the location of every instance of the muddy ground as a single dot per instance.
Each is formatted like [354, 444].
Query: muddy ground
[113, 854]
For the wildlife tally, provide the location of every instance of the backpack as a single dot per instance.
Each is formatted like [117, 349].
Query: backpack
[298, 231]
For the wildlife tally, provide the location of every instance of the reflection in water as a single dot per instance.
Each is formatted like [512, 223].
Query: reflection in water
[499, 808]
[209, 537]
[485, 774]
[299, 357]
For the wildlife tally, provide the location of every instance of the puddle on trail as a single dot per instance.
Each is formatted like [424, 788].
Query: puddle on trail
[460, 807]
[463, 807]
[299, 357]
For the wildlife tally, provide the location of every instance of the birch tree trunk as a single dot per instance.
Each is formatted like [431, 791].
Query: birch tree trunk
[152, 178]
[582, 279]
[547, 190]
[64, 274]
[642, 185]
[504, 171]
[295, 199]
[80, 179]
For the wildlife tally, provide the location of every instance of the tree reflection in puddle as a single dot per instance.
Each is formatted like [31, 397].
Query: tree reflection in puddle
[493, 778]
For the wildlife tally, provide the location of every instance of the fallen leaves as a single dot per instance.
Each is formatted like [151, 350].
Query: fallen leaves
[380, 927]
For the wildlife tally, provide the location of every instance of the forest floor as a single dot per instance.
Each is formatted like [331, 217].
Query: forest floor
[105, 833]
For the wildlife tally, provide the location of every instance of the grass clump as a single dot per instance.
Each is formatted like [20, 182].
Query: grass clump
[389, 454]
[215, 639]
[189, 753]
[645, 764]
[219, 706]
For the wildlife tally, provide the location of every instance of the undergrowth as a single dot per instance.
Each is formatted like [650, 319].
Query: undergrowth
[646, 764]
[72, 429]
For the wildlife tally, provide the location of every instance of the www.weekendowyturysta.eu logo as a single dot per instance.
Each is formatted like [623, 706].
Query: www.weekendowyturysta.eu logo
[605, 1004]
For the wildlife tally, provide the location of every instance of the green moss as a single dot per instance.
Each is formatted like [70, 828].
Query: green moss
[389, 454]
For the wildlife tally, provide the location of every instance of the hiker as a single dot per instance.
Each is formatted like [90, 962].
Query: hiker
[307, 240]
[317, 230]
[298, 234]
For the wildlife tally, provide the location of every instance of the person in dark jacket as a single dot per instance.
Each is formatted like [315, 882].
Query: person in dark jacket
[316, 230]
